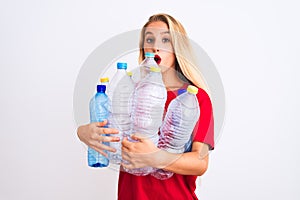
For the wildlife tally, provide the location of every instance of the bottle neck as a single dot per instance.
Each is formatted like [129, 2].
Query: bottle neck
[122, 71]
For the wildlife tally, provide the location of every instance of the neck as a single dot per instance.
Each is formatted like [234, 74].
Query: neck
[171, 80]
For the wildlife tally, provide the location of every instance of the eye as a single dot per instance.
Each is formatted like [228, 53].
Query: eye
[149, 40]
[166, 40]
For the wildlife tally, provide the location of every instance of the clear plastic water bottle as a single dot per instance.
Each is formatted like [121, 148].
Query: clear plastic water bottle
[178, 125]
[99, 104]
[147, 110]
[144, 67]
[188, 145]
[121, 91]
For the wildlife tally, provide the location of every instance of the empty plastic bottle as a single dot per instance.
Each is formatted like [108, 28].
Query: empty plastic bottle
[98, 112]
[188, 145]
[105, 81]
[144, 67]
[178, 125]
[147, 110]
[120, 92]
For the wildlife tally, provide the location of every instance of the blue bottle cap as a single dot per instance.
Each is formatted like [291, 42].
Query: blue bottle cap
[101, 88]
[180, 91]
[148, 54]
[121, 65]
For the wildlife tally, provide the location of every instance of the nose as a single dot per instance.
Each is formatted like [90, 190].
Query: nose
[156, 46]
[155, 50]
[152, 50]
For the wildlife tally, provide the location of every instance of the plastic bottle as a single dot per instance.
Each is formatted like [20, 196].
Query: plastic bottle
[188, 145]
[178, 125]
[105, 81]
[98, 112]
[144, 67]
[147, 110]
[121, 90]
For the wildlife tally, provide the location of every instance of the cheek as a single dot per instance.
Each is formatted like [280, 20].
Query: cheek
[168, 48]
[168, 60]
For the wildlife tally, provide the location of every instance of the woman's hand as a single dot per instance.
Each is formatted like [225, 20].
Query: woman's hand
[144, 153]
[92, 135]
[139, 153]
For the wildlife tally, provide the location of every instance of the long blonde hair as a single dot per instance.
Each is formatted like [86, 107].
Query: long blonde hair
[185, 63]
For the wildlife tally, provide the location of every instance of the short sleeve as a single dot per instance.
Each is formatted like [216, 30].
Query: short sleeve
[204, 128]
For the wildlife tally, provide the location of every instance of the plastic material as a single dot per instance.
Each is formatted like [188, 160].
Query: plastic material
[144, 67]
[120, 93]
[147, 110]
[176, 130]
[98, 112]
[105, 81]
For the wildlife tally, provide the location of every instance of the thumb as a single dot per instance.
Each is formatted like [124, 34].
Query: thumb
[137, 137]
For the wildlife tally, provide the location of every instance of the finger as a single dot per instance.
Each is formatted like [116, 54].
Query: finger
[125, 149]
[100, 124]
[109, 131]
[104, 138]
[99, 150]
[126, 144]
[137, 137]
[102, 147]
[110, 139]
[103, 153]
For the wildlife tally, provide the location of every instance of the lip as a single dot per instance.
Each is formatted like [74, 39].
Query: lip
[157, 59]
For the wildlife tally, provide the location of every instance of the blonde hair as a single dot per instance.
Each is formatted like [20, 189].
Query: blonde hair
[185, 63]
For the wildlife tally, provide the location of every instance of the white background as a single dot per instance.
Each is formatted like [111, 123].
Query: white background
[254, 45]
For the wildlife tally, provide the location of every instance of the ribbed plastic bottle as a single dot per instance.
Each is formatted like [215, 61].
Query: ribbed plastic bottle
[121, 91]
[144, 67]
[178, 125]
[98, 106]
[105, 81]
[188, 145]
[147, 110]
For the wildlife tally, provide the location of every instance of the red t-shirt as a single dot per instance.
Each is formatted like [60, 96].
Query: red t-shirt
[177, 187]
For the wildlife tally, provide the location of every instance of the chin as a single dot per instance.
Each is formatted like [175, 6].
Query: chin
[164, 68]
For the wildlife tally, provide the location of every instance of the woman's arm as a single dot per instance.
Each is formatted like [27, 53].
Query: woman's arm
[191, 163]
[145, 153]
[92, 135]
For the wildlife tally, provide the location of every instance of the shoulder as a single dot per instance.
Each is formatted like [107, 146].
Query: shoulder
[203, 96]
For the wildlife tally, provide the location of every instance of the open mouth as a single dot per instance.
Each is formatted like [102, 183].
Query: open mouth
[157, 59]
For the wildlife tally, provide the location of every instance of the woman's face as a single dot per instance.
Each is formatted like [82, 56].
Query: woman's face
[158, 41]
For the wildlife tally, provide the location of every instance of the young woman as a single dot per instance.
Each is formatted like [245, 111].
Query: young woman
[166, 37]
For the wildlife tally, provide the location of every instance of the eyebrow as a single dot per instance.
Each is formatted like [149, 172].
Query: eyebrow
[165, 32]
[150, 33]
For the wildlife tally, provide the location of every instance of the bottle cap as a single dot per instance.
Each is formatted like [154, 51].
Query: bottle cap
[104, 79]
[148, 54]
[101, 88]
[180, 91]
[129, 73]
[155, 69]
[192, 89]
[121, 65]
